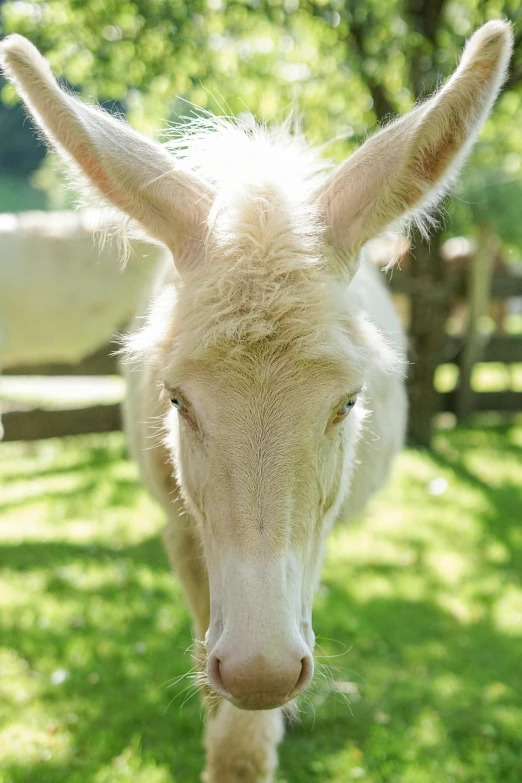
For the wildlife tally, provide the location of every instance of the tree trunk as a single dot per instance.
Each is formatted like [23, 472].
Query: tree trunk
[478, 290]
[430, 285]
[430, 298]
[430, 281]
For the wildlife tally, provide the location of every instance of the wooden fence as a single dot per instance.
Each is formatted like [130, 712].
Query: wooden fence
[29, 423]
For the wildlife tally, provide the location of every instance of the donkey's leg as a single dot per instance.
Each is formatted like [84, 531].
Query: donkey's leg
[186, 559]
[242, 746]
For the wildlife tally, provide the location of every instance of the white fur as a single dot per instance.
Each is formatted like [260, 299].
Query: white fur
[267, 324]
[61, 294]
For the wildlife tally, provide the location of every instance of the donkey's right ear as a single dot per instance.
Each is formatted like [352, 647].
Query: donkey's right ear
[130, 171]
[407, 166]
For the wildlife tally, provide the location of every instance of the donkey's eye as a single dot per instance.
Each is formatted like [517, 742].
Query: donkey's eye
[185, 413]
[178, 403]
[346, 407]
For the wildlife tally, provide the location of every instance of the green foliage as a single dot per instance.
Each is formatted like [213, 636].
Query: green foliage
[16, 195]
[344, 65]
[19, 152]
[419, 624]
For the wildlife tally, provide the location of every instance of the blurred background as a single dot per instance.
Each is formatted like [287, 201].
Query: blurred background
[420, 614]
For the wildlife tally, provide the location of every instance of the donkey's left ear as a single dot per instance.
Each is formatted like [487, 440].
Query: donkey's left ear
[408, 165]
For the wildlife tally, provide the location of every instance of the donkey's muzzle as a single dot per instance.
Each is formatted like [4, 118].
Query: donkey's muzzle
[260, 681]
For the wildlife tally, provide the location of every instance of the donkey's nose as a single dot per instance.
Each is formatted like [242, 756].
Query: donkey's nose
[259, 681]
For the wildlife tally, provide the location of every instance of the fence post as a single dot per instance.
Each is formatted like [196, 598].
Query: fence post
[478, 293]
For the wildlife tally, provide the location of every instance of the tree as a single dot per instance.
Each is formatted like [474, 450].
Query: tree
[346, 64]
[429, 36]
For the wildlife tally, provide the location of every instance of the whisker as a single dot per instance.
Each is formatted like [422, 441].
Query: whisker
[189, 697]
[189, 687]
[190, 675]
[179, 677]
[335, 641]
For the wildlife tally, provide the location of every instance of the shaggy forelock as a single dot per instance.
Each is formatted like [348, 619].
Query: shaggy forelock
[260, 276]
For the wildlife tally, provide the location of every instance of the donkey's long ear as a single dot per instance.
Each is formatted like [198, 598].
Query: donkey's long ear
[408, 165]
[132, 172]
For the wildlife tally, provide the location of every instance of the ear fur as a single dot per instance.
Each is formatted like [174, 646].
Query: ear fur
[406, 167]
[130, 171]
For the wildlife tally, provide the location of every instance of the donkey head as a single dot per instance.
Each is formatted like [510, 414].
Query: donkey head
[259, 347]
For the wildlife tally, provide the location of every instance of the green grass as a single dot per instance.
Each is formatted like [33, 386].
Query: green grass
[421, 604]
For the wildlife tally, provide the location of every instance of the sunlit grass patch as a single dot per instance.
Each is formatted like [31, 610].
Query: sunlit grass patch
[418, 619]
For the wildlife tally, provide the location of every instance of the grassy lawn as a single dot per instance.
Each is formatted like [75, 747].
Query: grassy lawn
[421, 607]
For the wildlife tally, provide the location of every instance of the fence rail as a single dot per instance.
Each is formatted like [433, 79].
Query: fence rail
[34, 424]
[40, 423]
[102, 362]
[504, 285]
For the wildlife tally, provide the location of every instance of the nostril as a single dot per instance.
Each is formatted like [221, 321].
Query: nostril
[215, 678]
[305, 676]
[215, 673]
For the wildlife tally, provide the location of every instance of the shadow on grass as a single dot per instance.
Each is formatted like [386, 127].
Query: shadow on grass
[122, 492]
[96, 459]
[439, 698]
[115, 651]
[504, 501]
[68, 459]
[50, 554]
[436, 695]
[107, 631]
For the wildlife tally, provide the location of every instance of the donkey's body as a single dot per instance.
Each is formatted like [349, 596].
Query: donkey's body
[241, 746]
[279, 356]
[68, 311]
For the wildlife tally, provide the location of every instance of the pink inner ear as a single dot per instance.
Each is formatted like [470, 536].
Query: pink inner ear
[96, 172]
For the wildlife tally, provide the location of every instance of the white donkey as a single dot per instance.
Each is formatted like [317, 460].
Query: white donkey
[72, 303]
[273, 359]
[74, 298]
